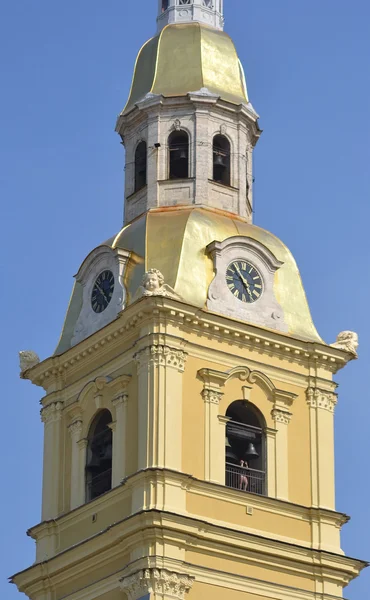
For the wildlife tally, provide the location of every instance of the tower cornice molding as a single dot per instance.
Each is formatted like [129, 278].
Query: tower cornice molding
[193, 319]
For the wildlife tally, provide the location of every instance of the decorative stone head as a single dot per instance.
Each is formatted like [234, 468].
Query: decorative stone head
[153, 285]
[27, 360]
[153, 281]
[348, 341]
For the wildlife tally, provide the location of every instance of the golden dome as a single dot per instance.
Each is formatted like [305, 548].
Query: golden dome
[174, 240]
[185, 58]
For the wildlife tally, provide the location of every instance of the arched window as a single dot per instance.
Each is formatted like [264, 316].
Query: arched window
[245, 448]
[140, 166]
[99, 456]
[221, 159]
[178, 143]
[165, 5]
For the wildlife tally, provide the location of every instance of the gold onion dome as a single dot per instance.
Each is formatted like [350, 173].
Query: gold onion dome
[174, 239]
[185, 58]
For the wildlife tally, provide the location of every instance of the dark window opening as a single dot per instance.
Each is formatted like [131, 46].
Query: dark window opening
[221, 160]
[245, 448]
[178, 143]
[140, 166]
[99, 457]
[165, 5]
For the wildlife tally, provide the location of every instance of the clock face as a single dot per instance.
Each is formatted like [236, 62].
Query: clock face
[244, 281]
[102, 291]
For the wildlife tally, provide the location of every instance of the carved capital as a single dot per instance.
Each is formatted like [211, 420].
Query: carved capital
[162, 356]
[52, 413]
[212, 396]
[120, 399]
[156, 581]
[75, 429]
[281, 416]
[317, 398]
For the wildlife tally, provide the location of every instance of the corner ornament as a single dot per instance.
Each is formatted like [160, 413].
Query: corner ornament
[27, 360]
[153, 285]
[347, 341]
[158, 581]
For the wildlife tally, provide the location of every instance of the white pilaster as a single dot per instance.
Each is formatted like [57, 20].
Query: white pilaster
[75, 430]
[160, 370]
[321, 406]
[282, 419]
[51, 416]
[119, 438]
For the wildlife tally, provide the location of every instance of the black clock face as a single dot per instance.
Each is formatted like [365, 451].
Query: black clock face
[244, 281]
[102, 291]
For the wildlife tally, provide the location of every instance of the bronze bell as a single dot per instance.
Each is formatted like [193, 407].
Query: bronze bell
[219, 161]
[107, 454]
[93, 463]
[182, 155]
[230, 456]
[251, 452]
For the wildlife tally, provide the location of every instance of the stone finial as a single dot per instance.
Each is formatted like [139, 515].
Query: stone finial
[153, 285]
[27, 360]
[348, 341]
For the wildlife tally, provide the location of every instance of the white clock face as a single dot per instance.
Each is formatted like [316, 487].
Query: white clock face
[244, 281]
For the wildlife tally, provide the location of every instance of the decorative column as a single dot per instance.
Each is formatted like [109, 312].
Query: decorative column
[51, 416]
[321, 406]
[156, 584]
[119, 438]
[160, 371]
[271, 461]
[282, 418]
[214, 437]
[77, 476]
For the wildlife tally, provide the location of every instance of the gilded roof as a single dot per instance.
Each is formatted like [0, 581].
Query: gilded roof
[185, 58]
[174, 240]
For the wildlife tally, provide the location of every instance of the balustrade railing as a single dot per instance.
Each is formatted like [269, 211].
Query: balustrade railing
[99, 484]
[248, 480]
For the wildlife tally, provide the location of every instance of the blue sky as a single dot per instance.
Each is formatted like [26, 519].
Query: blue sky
[65, 74]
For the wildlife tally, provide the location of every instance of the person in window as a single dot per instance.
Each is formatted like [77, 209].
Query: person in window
[243, 484]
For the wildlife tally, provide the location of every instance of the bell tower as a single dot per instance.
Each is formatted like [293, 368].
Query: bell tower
[209, 12]
[189, 406]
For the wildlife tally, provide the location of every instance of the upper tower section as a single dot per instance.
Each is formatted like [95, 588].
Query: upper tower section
[209, 12]
[188, 126]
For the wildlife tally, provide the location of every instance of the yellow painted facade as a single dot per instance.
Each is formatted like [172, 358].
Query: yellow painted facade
[168, 369]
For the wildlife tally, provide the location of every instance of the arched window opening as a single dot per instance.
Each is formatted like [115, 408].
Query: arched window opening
[245, 448]
[99, 456]
[140, 166]
[178, 143]
[221, 160]
[165, 5]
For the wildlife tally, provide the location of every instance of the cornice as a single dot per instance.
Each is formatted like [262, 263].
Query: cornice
[187, 318]
[218, 541]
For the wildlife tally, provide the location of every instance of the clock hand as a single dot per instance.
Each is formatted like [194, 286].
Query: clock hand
[101, 291]
[244, 281]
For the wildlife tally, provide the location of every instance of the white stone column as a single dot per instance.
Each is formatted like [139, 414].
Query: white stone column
[157, 584]
[321, 406]
[271, 462]
[75, 430]
[160, 371]
[214, 437]
[51, 416]
[282, 418]
[119, 438]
